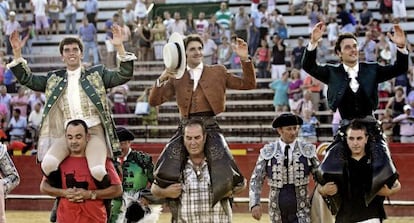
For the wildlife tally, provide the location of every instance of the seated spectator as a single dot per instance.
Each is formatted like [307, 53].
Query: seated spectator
[406, 122]
[384, 92]
[396, 104]
[119, 96]
[35, 117]
[35, 98]
[305, 104]
[32, 133]
[387, 124]
[21, 101]
[17, 126]
[308, 129]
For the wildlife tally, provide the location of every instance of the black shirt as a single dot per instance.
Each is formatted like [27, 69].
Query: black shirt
[358, 180]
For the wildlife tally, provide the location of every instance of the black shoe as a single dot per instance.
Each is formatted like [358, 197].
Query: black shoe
[104, 183]
[53, 213]
[54, 179]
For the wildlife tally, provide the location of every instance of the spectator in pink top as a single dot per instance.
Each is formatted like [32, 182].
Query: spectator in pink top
[21, 101]
[295, 90]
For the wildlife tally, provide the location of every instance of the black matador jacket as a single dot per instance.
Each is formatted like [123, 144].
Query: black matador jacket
[369, 76]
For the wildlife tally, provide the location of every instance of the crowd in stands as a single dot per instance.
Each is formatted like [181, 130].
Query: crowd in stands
[263, 27]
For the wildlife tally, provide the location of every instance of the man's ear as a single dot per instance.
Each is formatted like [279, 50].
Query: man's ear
[338, 52]
[88, 137]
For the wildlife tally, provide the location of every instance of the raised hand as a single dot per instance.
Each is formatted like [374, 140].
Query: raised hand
[241, 49]
[15, 41]
[398, 37]
[117, 38]
[317, 32]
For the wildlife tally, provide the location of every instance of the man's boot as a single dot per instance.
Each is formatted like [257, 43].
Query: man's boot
[55, 179]
[105, 183]
[53, 213]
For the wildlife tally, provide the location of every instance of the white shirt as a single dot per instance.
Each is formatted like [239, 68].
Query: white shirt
[35, 118]
[195, 74]
[39, 7]
[292, 146]
[353, 74]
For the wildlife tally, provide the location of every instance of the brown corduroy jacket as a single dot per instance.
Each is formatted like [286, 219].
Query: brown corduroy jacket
[214, 81]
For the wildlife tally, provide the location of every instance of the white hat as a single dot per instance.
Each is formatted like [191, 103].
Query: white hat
[12, 13]
[406, 107]
[174, 55]
[385, 54]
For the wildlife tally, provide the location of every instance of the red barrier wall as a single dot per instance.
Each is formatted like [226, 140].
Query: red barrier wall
[29, 170]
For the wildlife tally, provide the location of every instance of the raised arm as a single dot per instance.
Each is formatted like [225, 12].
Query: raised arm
[117, 39]
[398, 37]
[317, 33]
[16, 44]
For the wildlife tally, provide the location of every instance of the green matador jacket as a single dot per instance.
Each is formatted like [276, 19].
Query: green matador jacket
[94, 81]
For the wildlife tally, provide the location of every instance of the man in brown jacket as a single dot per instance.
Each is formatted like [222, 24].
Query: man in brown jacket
[200, 92]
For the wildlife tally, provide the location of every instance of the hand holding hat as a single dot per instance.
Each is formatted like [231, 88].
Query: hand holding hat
[167, 74]
[174, 57]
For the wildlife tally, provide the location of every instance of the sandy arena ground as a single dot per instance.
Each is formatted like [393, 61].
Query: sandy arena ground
[43, 217]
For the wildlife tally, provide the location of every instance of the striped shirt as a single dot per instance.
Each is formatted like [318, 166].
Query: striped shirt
[224, 18]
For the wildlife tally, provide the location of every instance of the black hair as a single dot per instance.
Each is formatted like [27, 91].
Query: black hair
[68, 41]
[191, 38]
[17, 110]
[357, 125]
[341, 37]
[76, 122]
[195, 121]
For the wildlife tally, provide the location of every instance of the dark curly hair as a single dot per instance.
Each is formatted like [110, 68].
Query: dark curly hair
[70, 40]
[341, 37]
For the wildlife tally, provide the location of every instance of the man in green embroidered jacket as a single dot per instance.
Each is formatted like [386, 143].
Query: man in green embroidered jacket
[75, 93]
[137, 176]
